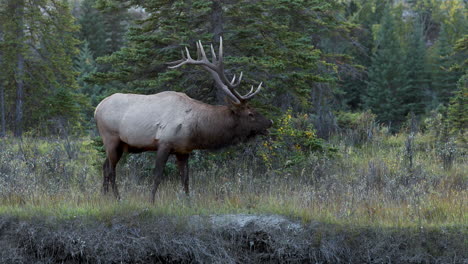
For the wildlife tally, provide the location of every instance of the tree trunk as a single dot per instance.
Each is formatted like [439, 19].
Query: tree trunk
[19, 75]
[2, 110]
[217, 21]
[217, 29]
[2, 102]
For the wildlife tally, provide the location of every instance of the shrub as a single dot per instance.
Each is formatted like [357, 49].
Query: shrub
[292, 140]
[357, 128]
[48, 166]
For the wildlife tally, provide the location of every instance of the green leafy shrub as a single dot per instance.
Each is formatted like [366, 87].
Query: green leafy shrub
[357, 128]
[292, 140]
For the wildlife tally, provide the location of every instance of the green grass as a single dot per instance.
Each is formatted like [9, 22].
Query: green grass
[433, 211]
[367, 185]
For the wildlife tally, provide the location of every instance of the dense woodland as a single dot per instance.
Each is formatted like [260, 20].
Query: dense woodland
[326, 59]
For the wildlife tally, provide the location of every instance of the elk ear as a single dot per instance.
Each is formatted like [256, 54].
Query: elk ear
[235, 108]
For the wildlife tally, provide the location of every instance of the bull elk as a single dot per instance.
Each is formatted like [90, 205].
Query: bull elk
[173, 123]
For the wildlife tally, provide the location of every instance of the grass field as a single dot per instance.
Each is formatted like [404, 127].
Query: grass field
[383, 182]
[388, 199]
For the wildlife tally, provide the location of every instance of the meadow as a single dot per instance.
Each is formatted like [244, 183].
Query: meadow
[390, 180]
[363, 195]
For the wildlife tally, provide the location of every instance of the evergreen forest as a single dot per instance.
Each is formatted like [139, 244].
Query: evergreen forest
[369, 102]
[323, 58]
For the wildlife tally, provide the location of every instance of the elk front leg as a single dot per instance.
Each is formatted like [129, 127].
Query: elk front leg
[113, 165]
[161, 158]
[182, 164]
[105, 174]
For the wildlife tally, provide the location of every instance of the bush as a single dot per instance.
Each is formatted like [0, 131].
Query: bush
[47, 166]
[357, 128]
[291, 142]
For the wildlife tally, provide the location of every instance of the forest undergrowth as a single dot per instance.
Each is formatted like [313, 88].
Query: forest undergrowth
[401, 180]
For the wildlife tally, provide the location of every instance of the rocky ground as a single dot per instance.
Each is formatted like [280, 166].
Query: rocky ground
[221, 239]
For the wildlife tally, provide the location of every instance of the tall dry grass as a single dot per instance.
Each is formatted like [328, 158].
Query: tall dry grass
[389, 180]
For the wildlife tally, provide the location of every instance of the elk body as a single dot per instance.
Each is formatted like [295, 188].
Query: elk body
[173, 123]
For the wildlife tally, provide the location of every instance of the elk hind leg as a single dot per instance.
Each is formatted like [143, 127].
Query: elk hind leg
[182, 164]
[161, 158]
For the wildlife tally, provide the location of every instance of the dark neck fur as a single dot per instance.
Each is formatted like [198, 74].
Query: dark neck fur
[216, 128]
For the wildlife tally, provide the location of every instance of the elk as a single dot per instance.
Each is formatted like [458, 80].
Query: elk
[173, 123]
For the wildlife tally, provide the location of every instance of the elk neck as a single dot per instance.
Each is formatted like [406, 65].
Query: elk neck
[216, 127]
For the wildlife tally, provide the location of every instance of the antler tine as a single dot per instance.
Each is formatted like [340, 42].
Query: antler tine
[198, 50]
[233, 79]
[213, 54]
[183, 61]
[177, 64]
[188, 54]
[251, 90]
[220, 61]
[250, 94]
[202, 50]
[204, 62]
[239, 81]
[220, 68]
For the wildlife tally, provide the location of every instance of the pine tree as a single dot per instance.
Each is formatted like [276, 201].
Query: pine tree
[38, 48]
[93, 30]
[284, 38]
[353, 86]
[115, 17]
[387, 78]
[444, 82]
[270, 41]
[86, 66]
[12, 16]
[141, 65]
[2, 97]
[458, 109]
[413, 98]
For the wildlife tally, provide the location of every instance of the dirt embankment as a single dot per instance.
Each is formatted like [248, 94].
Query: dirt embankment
[221, 239]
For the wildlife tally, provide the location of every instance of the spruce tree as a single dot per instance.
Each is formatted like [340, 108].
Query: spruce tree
[86, 66]
[353, 86]
[116, 20]
[270, 41]
[92, 26]
[444, 81]
[38, 48]
[458, 109]
[140, 66]
[2, 97]
[413, 97]
[387, 83]
[284, 39]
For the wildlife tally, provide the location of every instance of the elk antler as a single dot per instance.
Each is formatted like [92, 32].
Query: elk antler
[216, 68]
